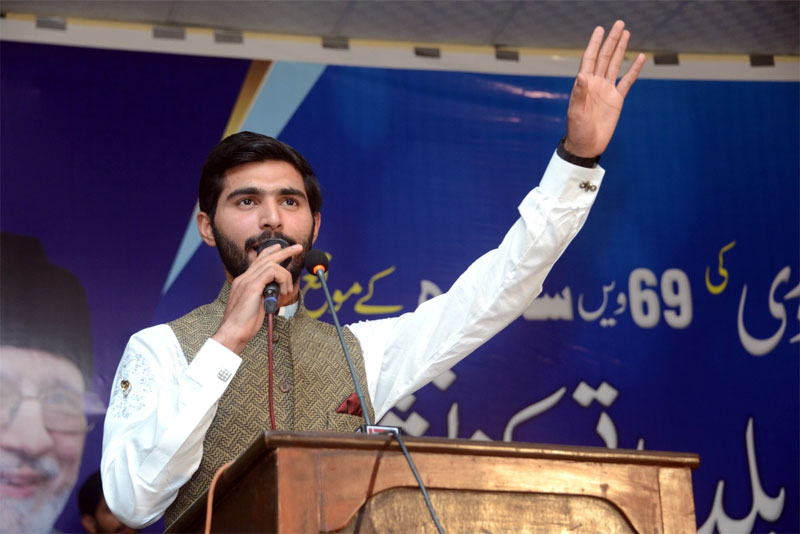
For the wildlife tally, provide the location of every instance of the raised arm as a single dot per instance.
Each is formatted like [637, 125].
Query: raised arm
[402, 354]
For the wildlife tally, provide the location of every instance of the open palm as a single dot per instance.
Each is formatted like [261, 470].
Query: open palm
[596, 100]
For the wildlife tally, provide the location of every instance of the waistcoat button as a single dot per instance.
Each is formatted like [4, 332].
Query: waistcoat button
[285, 387]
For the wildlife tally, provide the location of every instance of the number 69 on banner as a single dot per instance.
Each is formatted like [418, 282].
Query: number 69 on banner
[645, 304]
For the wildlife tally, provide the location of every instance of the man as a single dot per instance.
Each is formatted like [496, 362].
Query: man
[193, 394]
[95, 515]
[45, 366]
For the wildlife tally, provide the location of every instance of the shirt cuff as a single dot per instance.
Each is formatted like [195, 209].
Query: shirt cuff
[571, 182]
[213, 367]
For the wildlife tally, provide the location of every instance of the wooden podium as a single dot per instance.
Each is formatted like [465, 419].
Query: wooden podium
[315, 482]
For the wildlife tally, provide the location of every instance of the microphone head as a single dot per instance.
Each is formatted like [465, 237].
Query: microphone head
[316, 259]
[276, 241]
[272, 241]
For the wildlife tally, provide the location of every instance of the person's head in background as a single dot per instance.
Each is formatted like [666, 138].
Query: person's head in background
[95, 515]
[45, 370]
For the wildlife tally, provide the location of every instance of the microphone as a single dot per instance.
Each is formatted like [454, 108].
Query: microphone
[317, 264]
[316, 260]
[272, 291]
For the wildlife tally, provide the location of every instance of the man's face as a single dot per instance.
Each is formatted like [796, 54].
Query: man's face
[42, 400]
[259, 201]
[103, 521]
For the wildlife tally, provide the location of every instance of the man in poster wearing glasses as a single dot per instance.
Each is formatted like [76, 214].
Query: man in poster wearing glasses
[45, 370]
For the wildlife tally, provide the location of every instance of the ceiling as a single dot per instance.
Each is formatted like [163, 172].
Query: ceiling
[769, 27]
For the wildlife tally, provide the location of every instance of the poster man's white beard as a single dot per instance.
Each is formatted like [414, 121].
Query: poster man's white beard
[34, 515]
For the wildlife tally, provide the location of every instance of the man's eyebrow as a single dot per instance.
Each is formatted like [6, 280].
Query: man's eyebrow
[292, 192]
[59, 383]
[244, 191]
[249, 191]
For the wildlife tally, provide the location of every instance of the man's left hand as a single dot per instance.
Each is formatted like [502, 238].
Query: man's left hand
[596, 100]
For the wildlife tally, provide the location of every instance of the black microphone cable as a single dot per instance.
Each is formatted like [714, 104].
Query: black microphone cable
[317, 264]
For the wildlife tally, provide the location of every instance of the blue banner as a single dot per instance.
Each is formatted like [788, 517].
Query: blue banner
[670, 323]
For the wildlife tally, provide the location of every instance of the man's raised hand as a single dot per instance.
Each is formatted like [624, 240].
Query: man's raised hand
[597, 97]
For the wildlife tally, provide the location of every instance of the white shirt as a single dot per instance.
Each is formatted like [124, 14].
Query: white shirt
[161, 407]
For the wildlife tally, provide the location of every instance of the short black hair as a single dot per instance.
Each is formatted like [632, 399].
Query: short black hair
[90, 493]
[42, 306]
[250, 147]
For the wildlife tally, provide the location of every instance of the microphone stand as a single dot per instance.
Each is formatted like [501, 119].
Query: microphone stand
[359, 391]
[368, 428]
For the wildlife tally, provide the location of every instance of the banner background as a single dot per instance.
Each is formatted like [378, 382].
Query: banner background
[421, 174]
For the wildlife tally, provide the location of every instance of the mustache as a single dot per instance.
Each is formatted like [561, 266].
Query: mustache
[46, 466]
[255, 241]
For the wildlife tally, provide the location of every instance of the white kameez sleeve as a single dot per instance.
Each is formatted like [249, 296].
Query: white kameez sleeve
[404, 353]
[158, 415]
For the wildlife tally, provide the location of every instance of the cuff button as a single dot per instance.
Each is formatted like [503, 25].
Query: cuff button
[224, 375]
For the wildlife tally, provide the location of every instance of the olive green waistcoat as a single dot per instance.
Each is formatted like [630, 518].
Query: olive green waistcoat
[311, 380]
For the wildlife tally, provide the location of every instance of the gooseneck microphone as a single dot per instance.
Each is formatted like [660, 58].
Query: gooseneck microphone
[317, 264]
[272, 291]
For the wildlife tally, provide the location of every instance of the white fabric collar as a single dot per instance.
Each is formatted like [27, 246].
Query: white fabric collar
[289, 310]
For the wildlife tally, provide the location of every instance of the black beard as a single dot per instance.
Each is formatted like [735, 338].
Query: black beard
[236, 261]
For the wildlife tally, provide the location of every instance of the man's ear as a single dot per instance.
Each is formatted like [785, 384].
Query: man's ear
[317, 222]
[89, 524]
[206, 231]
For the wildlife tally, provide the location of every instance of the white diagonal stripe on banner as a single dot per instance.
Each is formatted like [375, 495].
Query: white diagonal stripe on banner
[189, 244]
[286, 87]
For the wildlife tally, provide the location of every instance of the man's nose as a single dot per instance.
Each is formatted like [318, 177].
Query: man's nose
[26, 432]
[270, 216]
